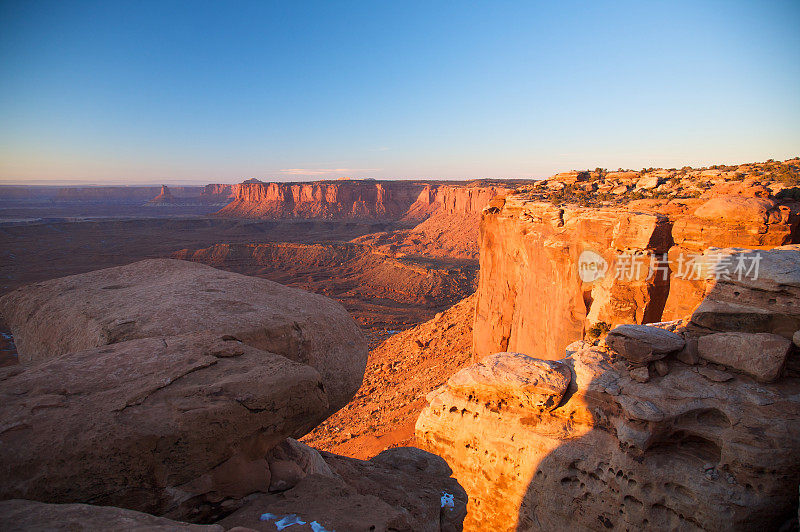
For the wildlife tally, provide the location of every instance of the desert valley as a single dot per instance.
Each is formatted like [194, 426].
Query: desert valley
[328, 266]
[405, 355]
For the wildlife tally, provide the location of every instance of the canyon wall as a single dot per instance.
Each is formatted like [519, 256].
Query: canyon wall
[357, 199]
[335, 199]
[537, 292]
[531, 297]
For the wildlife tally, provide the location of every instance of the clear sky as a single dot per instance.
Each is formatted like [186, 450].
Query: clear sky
[175, 92]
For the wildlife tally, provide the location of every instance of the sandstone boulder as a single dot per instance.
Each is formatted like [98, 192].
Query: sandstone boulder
[161, 425]
[164, 297]
[761, 355]
[291, 461]
[641, 344]
[739, 209]
[751, 290]
[648, 181]
[513, 379]
[23, 516]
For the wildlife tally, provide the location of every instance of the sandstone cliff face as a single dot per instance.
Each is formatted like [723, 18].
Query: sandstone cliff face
[531, 259]
[221, 190]
[531, 297]
[450, 230]
[688, 426]
[363, 199]
[340, 199]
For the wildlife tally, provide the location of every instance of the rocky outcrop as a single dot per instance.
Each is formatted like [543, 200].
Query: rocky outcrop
[684, 442]
[541, 263]
[362, 199]
[400, 489]
[164, 197]
[164, 297]
[549, 273]
[165, 386]
[23, 516]
[157, 424]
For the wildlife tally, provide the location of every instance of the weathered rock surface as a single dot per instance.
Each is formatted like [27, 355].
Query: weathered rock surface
[531, 297]
[659, 440]
[403, 489]
[163, 297]
[356, 199]
[154, 424]
[532, 255]
[513, 378]
[679, 452]
[641, 344]
[760, 355]
[763, 297]
[738, 208]
[23, 516]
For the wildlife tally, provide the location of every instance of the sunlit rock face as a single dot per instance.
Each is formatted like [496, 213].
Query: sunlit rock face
[541, 286]
[702, 434]
[357, 199]
[725, 221]
[361, 199]
[532, 296]
[686, 451]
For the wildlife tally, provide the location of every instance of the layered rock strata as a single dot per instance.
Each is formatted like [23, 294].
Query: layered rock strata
[578, 268]
[411, 201]
[362, 199]
[543, 264]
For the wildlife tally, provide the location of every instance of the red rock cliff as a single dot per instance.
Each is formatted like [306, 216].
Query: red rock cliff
[531, 297]
[411, 200]
[323, 199]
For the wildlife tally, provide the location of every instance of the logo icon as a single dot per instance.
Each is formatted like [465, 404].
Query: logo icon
[591, 266]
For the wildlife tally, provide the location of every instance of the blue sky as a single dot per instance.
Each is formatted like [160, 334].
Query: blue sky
[147, 92]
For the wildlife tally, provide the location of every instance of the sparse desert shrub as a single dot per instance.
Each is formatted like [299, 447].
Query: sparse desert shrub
[597, 330]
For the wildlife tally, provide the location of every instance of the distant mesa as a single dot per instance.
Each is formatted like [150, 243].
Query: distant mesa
[164, 197]
[251, 181]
